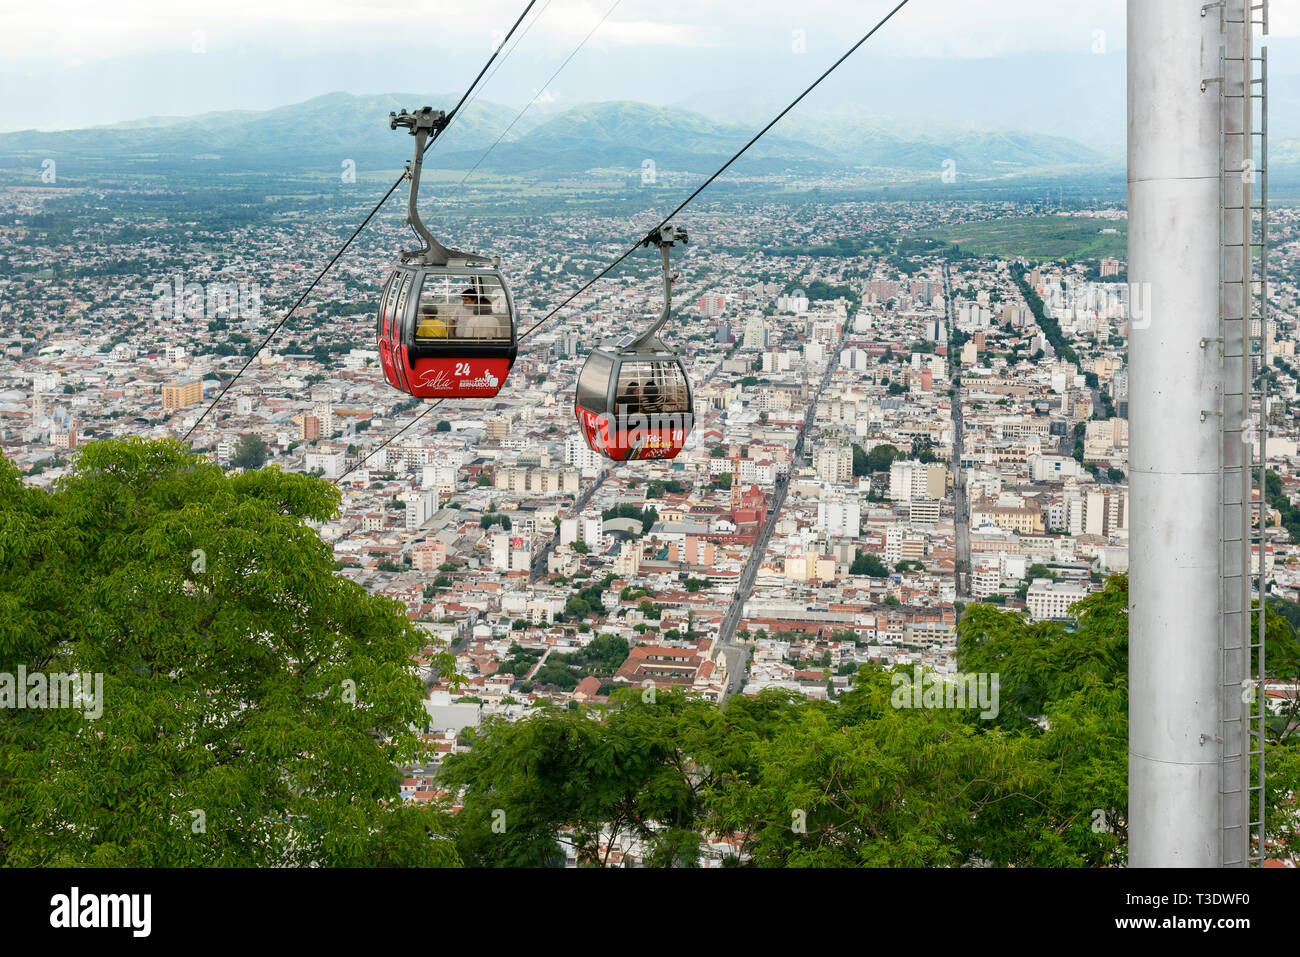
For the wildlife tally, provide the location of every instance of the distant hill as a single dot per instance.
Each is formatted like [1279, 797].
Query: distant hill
[625, 134]
[322, 132]
[334, 127]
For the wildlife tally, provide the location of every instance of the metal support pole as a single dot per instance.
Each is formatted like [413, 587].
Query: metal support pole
[1173, 177]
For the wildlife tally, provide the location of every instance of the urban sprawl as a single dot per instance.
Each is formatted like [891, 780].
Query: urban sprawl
[880, 439]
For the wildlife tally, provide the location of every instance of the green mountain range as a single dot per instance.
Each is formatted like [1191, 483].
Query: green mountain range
[322, 133]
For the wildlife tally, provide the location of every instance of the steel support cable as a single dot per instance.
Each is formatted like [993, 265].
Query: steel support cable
[497, 68]
[384, 444]
[352, 238]
[558, 71]
[722, 169]
[485, 155]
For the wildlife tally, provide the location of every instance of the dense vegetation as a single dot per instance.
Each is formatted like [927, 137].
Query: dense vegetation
[646, 516]
[1289, 515]
[254, 703]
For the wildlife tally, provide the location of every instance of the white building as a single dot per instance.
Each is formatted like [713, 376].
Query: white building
[420, 506]
[834, 464]
[324, 411]
[577, 454]
[1047, 599]
[839, 515]
[1053, 468]
[909, 479]
[332, 465]
[440, 478]
[923, 511]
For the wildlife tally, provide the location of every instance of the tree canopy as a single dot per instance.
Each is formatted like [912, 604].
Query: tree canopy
[865, 563]
[250, 453]
[254, 702]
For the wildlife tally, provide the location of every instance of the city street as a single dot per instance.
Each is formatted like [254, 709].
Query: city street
[737, 653]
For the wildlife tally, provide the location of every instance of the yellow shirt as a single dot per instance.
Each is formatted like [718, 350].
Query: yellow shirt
[431, 328]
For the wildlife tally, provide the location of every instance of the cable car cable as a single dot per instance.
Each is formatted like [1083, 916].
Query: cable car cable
[366, 458]
[342, 249]
[497, 68]
[499, 139]
[456, 109]
[292, 309]
[431, 345]
[540, 91]
[795, 102]
[604, 272]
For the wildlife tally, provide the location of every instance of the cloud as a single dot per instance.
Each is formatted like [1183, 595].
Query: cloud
[123, 59]
[646, 33]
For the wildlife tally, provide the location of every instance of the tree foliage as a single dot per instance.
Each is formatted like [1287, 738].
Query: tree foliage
[254, 703]
[257, 708]
[250, 453]
[865, 563]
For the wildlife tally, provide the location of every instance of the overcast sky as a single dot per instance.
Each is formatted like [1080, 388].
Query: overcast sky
[52, 32]
[77, 63]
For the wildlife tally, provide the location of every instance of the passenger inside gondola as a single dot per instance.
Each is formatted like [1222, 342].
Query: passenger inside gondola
[429, 326]
[460, 313]
[651, 399]
[629, 400]
[451, 309]
[479, 322]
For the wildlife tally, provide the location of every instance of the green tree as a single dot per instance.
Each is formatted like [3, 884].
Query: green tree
[645, 771]
[1039, 570]
[250, 453]
[881, 457]
[242, 678]
[865, 563]
[859, 461]
[872, 786]
[923, 449]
